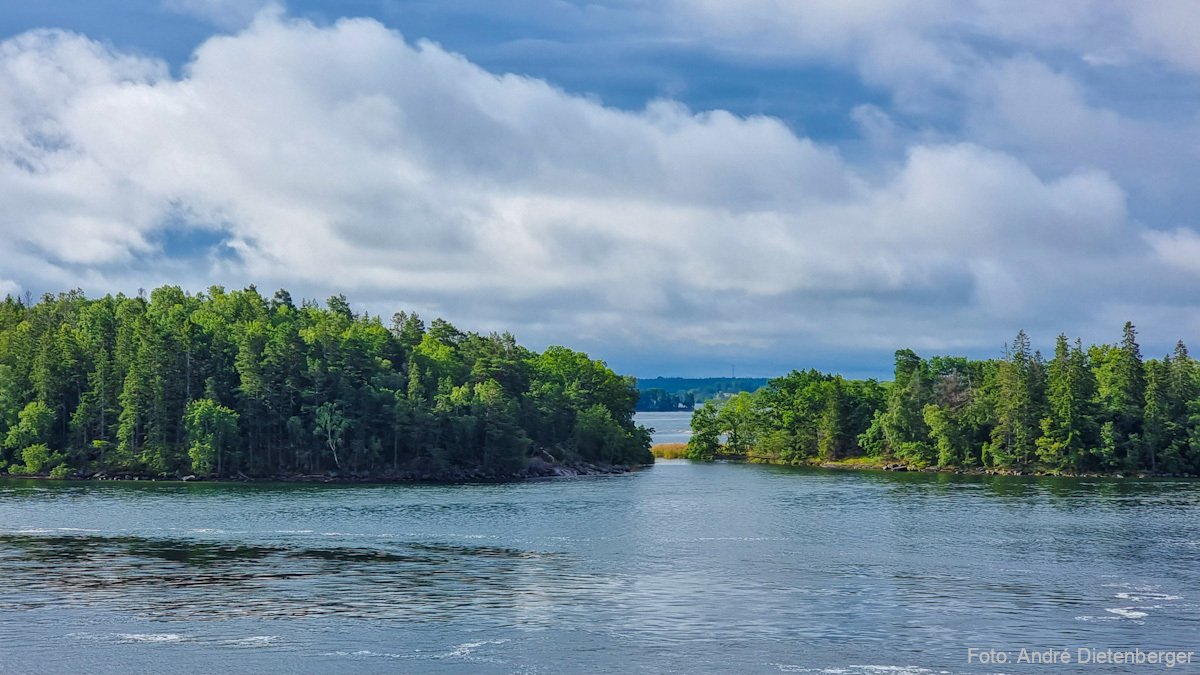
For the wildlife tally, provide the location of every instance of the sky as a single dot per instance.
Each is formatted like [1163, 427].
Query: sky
[678, 187]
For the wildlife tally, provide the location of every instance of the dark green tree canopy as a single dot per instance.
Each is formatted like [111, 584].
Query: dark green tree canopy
[229, 382]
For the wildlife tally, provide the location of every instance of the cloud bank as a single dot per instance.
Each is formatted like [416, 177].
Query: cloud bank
[343, 158]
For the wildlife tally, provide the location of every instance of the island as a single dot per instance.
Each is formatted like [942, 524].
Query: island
[232, 384]
[1099, 410]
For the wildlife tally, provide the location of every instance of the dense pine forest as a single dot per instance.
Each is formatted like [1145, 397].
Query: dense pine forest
[1100, 409]
[229, 383]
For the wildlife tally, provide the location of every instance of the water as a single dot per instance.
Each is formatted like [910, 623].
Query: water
[678, 568]
[669, 427]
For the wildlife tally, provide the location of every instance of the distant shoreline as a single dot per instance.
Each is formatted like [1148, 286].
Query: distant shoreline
[673, 451]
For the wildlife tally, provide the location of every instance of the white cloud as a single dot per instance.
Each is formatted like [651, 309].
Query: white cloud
[1065, 87]
[1179, 248]
[342, 158]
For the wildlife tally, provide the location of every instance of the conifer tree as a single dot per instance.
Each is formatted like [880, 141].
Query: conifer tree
[1069, 432]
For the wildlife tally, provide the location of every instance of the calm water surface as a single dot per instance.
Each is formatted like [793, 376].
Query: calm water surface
[678, 568]
[668, 427]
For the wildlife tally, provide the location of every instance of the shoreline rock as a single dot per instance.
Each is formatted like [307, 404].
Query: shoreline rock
[536, 469]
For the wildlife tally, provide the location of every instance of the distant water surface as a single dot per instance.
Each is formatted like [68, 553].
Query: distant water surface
[669, 427]
[678, 568]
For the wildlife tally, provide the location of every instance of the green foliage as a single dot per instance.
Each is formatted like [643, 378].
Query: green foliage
[705, 441]
[872, 440]
[1098, 409]
[9, 399]
[211, 430]
[597, 434]
[35, 422]
[229, 382]
[1019, 408]
[947, 434]
[738, 420]
[331, 426]
[800, 416]
[903, 421]
[37, 459]
[1069, 431]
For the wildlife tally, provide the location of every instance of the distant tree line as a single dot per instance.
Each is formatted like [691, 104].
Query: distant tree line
[683, 393]
[1103, 408]
[660, 400]
[225, 383]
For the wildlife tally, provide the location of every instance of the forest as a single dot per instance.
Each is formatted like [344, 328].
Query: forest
[684, 393]
[1099, 409]
[233, 384]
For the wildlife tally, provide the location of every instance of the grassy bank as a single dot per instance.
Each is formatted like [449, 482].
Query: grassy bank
[669, 450]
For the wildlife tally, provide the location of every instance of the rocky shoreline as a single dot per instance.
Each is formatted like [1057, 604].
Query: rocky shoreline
[860, 464]
[984, 471]
[536, 469]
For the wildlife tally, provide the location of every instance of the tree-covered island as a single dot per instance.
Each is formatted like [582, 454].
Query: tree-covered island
[233, 384]
[1102, 409]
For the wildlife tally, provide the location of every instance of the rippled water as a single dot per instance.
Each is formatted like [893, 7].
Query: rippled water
[678, 568]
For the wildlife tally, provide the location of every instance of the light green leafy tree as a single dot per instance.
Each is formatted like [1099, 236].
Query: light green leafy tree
[211, 431]
[705, 441]
[331, 428]
[34, 424]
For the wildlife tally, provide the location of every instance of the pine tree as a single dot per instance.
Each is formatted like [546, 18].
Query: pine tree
[1069, 430]
[1125, 401]
[1020, 405]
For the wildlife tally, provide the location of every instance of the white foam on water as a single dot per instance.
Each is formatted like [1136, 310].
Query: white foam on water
[46, 530]
[252, 641]
[1143, 588]
[1127, 612]
[903, 669]
[149, 637]
[367, 654]
[465, 649]
[1147, 596]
